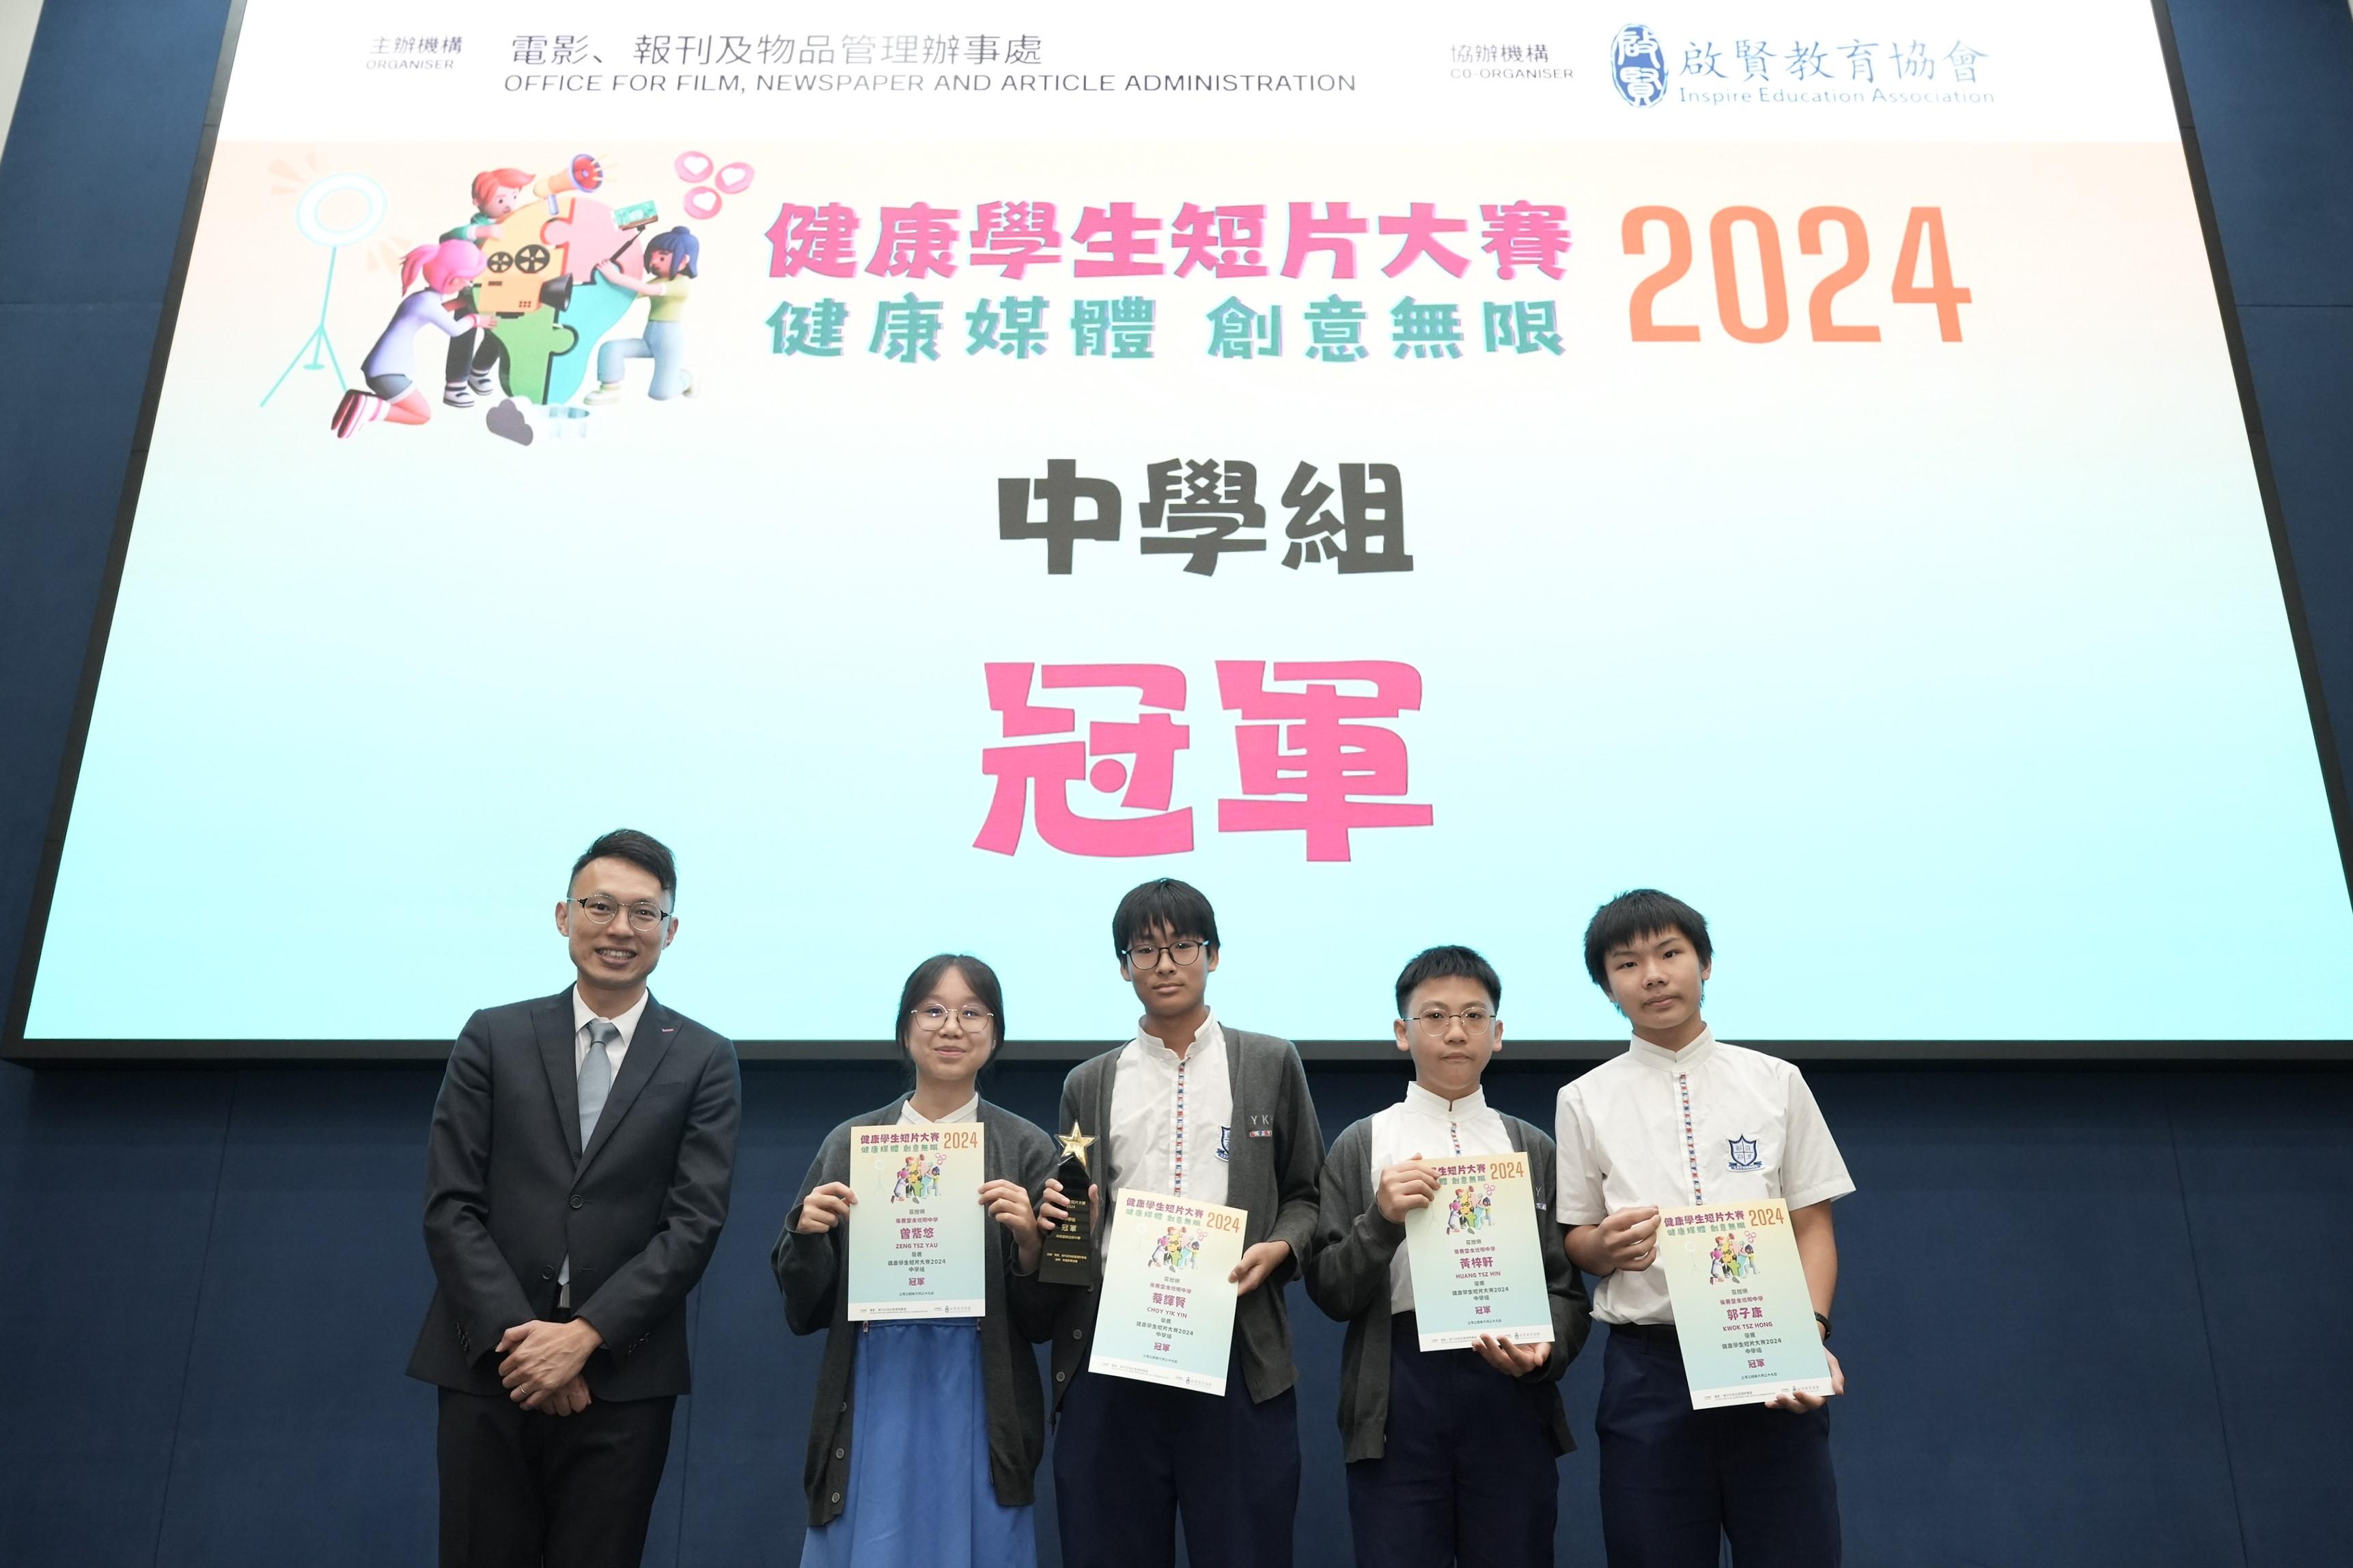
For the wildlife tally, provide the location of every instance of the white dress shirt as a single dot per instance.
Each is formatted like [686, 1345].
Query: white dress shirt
[627, 1023]
[582, 1015]
[1172, 1116]
[1427, 1127]
[1710, 1123]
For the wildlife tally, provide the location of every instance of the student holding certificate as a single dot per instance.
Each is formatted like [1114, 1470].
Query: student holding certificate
[927, 1431]
[1218, 1120]
[1682, 1120]
[1452, 1453]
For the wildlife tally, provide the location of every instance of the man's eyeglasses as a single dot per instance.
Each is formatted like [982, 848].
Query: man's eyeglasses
[1183, 950]
[600, 912]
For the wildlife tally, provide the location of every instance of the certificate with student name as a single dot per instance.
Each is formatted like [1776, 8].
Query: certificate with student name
[1478, 1267]
[918, 1234]
[1742, 1312]
[1167, 1313]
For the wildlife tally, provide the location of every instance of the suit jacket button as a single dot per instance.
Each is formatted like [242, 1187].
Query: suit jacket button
[837, 1497]
[577, 1200]
[1062, 1377]
[1077, 1333]
[844, 1406]
[547, 1274]
[839, 1452]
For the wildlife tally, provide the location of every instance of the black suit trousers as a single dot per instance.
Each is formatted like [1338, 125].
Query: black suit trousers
[521, 1490]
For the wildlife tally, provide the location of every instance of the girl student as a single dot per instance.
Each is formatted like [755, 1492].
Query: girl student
[391, 366]
[926, 1433]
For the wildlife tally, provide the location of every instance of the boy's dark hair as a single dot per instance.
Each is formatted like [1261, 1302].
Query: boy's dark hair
[643, 850]
[1163, 901]
[923, 980]
[1448, 963]
[1631, 916]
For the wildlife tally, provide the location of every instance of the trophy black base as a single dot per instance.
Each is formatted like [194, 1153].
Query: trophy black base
[1068, 1256]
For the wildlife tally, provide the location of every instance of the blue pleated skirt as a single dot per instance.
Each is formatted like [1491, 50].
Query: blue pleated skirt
[918, 1485]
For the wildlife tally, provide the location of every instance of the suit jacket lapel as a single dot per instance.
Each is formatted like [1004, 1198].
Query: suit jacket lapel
[551, 1022]
[657, 1028]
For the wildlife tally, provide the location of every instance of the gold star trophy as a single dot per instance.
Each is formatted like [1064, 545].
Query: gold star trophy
[1070, 1255]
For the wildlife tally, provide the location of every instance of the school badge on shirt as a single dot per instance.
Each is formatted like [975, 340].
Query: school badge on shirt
[1226, 1142]
[1744, 1154]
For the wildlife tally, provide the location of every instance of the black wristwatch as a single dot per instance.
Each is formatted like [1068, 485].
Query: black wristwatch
[1825, 1322]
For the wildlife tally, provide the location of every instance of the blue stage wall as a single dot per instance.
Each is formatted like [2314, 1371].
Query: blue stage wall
[2090, 1317]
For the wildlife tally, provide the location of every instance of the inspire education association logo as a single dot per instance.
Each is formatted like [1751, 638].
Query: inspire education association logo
[1783, 71]
[1638, 66]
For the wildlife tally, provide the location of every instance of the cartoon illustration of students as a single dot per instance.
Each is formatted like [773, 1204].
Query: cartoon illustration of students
[670, 258]
[497, 193]
[391, 366]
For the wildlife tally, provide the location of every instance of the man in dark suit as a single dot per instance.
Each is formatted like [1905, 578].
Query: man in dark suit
[575, 1182]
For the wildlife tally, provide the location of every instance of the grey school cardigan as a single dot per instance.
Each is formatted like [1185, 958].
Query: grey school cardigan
[1275, 1151]
[1348, 1277]
[812, 1271]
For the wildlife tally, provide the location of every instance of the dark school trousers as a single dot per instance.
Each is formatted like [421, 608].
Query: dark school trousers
[1130, 1456]
[1468, 1477]
[1675, 1481]
[520, 1490]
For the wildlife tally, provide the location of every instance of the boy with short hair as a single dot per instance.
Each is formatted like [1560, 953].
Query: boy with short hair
[1679, 1121]
[1194, 1109]
[1452, 1454]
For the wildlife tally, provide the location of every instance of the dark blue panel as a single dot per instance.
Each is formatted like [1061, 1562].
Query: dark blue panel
[104, 1225]
[112, 109]
[65, 435]
[298, 1437]
[2018, 1319]
[2268, 91]
[2303, 365]
[2267, 1165]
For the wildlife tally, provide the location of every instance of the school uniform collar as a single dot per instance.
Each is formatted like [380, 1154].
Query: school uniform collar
[1683, 1060]
[1207, 1038]
[911, 1117]
[1420, 1100]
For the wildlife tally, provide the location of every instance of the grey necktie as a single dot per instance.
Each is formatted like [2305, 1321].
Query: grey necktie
[595, 1076]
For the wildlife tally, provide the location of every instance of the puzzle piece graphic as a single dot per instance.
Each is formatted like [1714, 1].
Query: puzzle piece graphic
[533, 341]
[596, 307]
[589, 236]
[517, 260]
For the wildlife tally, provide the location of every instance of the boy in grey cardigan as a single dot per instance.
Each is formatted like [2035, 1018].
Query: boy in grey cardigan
[1452, 1454]
[1190, 1109]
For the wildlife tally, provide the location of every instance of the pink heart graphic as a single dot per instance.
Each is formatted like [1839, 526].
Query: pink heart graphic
[693, 165]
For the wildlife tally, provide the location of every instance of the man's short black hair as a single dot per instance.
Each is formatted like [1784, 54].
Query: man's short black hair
[643, 850]
[1631, 916]
[1163, 901]
[1448, 963]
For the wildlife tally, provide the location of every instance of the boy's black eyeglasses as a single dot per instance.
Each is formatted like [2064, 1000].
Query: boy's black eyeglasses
[1183, 950]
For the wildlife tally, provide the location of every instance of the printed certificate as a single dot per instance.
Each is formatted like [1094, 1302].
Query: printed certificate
[1741, 1308]
[1477, 1267]
[918, 1236]
[1168, 1309]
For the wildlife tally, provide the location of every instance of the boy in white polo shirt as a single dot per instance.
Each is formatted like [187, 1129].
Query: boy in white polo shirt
[1682, 1119]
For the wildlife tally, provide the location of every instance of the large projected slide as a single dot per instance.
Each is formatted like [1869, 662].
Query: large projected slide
[1413, 479]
